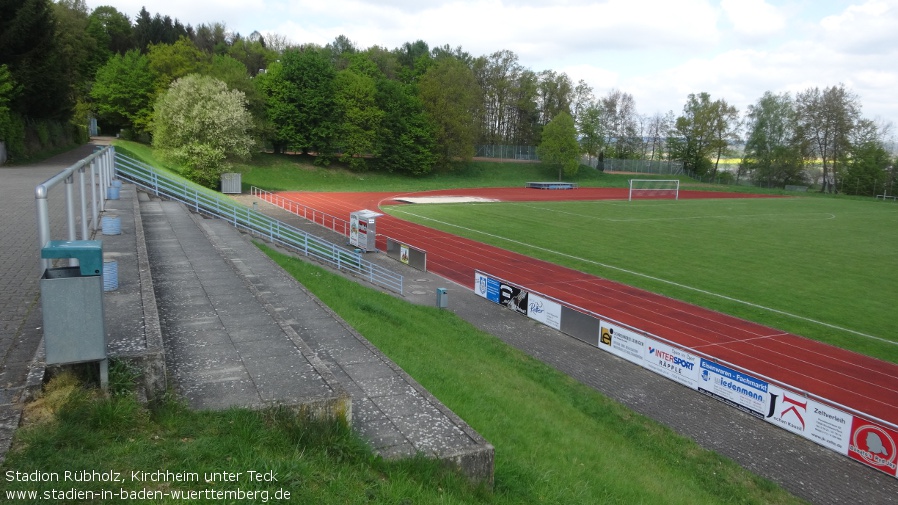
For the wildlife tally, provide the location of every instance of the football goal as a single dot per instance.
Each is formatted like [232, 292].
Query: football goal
[654, 188]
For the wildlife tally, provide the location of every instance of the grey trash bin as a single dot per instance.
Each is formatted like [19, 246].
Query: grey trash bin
[72, 303]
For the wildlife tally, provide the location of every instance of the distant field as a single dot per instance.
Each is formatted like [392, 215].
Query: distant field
[819, 267]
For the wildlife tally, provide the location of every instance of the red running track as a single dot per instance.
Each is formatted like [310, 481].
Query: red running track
[865, 384]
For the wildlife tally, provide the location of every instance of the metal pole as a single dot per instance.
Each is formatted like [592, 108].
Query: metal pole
[94, 165]
[104, 374]
[83, 193]
[70, 212]
[104, 183]
[43, 223]
[70, 206]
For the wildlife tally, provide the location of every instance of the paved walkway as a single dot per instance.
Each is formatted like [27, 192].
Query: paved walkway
[20, 316]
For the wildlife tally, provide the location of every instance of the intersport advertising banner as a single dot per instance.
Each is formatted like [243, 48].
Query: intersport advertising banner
[673, 363]
[747, 393]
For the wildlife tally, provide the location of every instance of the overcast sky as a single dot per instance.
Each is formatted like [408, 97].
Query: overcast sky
[659, 51]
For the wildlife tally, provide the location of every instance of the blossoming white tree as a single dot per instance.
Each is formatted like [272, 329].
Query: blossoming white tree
[202, 125]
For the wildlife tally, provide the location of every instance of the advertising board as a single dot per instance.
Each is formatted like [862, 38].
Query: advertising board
[873, 445]
[622, 342]
[544, 310]
[486, 287]
[818, 422]
[671, 362]
[740, 390]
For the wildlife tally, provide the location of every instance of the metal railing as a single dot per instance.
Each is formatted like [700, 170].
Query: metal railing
[337, 224]
[213, 203]
[100, 167]
[304, 211]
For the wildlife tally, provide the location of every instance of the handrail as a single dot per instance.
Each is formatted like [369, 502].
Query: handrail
[212, 203]
[337, 224]
[100, 164]
[314, 215]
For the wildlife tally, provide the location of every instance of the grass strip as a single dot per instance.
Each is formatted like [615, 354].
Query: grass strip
[76, 439]
[557, 441]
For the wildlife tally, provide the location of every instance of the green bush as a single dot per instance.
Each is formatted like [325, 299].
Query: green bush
[15, 138]
[42, 130]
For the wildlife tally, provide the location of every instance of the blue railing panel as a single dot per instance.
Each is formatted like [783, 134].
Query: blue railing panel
[202, 200]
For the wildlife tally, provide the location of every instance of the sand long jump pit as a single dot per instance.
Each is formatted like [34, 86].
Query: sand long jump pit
[444, 199]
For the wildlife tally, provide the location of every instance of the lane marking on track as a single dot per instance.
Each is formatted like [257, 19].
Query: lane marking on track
[656, 279]
[740, 341]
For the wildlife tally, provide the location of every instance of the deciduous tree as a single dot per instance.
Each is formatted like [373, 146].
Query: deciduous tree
[111, 29]
[359, 116]
[202, 125]
[9, 90]
[591, 128]
[825, 122]
[773, 151]
[406, 139]
[701, 132]
[724, 128]
[621, 125]
[451, 97]
[173, 61]
[559, 145]
[300, 102]
[867, 167]
[555, 95]
[123, 90]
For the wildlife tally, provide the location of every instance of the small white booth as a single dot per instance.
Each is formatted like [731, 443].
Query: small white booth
[363, 229]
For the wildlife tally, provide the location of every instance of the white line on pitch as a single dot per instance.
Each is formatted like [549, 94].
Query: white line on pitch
[812, 215]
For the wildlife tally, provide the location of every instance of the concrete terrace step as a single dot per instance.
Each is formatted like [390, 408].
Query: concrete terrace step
[223, 349]
[238, 331]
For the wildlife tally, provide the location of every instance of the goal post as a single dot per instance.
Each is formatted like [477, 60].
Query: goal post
[654, 188]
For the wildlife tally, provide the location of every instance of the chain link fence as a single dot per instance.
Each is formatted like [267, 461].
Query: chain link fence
[660, 167]
[500, 152]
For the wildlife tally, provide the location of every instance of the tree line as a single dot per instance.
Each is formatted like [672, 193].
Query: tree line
[410, 109]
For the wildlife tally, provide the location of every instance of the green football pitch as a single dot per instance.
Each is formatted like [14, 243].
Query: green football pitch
[824, 268]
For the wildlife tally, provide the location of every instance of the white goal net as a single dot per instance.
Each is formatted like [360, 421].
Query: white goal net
[654, 188]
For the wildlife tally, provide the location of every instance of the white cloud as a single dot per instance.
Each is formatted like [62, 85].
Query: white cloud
[863, 29]
[536, 31]
[753, 19]
[600, 79]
